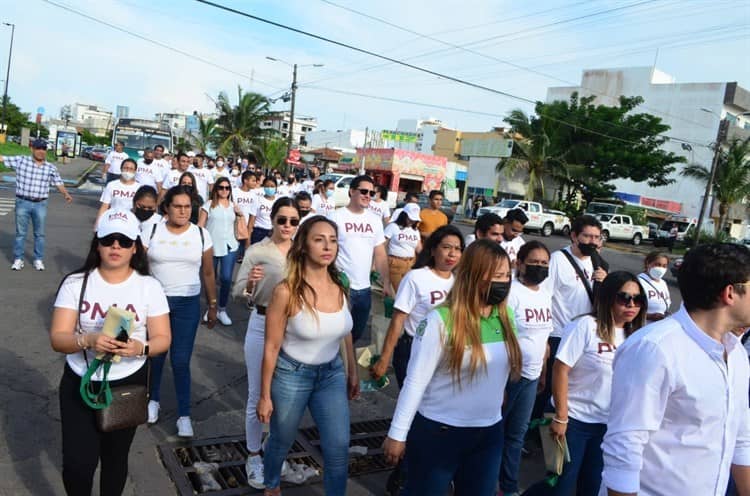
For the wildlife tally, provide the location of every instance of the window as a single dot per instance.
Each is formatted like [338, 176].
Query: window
[626, 220]
[534, 208]
[285, 125]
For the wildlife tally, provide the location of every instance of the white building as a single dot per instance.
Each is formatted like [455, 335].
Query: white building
[347, 140]
[177, 122]
[692, 110]
[91, 117]
[280, 122]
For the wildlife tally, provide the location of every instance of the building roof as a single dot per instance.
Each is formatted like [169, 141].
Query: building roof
[327, 154]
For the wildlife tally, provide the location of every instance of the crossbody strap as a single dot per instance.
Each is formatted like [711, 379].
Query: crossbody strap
[581, 275]
[666, 303]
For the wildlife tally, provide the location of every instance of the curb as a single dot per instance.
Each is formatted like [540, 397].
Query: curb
[82, 178]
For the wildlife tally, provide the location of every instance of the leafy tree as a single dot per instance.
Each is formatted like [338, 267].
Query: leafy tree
[732, 178]
[274, 152]
[16, 119]
[207, 134]
[239, 126]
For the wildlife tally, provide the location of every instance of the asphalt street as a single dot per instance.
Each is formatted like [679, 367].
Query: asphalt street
[30, 453]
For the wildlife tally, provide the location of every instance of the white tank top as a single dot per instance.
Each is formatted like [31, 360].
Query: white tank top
[315, 341]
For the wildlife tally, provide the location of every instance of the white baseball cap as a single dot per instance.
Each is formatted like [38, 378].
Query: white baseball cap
[190, 154]
[412, 211]
[118, 221]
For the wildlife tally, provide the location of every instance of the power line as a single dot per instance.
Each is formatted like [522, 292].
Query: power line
[158, 43]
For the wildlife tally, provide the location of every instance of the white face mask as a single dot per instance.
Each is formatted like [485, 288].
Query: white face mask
[220, 164]
[128, 176]
[657, 272]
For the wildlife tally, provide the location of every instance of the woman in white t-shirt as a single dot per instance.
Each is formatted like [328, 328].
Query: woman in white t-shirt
[307, 318]
[262, 269]
[181, 258]
[260, 216]
[582, 379]
[657, 291]
[448, 417]
[118, 194]
[144, 209]
[218, 215]
[531, 302]
[322, 200]
[403, 243]
[115, 274]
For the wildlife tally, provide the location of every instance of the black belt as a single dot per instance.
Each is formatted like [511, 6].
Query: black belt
[260, 309]
[28, 198]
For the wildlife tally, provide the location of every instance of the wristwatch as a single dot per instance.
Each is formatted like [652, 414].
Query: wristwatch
[145, 350]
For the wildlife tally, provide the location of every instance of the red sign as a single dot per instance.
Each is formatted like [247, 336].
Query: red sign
[294, 157]
[38, 118]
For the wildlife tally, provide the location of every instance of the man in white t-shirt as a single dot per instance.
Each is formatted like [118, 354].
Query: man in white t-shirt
[246, 198]
[204, 177]
[511, 240]
[309, 183]
[488, 226]
[379, 205]
[149, 172]
[172, 177]
[111, 169]
[361, 241]
[161, 159]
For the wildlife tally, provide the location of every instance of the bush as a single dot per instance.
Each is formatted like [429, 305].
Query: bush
[721, 237]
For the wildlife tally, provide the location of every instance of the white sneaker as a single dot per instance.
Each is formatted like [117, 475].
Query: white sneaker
[254, 471]
[224, 318]
[205, 317]
[184, 427]
[153, 412]
[38, 265]
[17, 264]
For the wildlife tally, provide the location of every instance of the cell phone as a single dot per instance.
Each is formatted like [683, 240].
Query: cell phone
[123, 336]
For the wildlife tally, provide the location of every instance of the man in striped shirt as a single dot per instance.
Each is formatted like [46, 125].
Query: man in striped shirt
[34, 176]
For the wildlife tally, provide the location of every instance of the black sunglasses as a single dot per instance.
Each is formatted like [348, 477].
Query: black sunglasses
[366, 192]
[223, 188]
[293, 221]
[121, 239]
[625, 299]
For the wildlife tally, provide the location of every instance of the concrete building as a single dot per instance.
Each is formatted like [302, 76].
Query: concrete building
[177, 122]
[692, 110]
[122, 112]
[279, 121]
[93, 118]
[346, 140]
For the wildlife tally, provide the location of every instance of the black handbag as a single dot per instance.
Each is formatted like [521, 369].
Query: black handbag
[119, 407]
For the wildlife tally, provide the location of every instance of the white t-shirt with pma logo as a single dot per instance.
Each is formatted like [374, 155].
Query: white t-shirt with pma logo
[203, 177]
[119, 195]
[569, 296]
[175, 259]
[142, 295]
[511, 247]
[359, 234]
[590, 378]
[657, 293]
[114, 159]
[380, 209]
[246, 200]
[533, 312]
[420, 291]
[322, 205]
[149, 174]
[172, 178]
[402, 242]
[262, 211]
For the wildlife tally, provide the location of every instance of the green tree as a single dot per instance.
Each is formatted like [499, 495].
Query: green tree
[732, 178]
[207, 135]
[239, 126]
[273, 152]
[16, 119]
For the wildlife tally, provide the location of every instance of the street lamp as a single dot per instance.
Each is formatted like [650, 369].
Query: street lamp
[290, 136]
[3, 126]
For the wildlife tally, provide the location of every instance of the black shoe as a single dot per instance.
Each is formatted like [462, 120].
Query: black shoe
[393, 485]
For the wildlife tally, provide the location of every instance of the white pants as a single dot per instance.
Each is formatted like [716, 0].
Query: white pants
[254, 343]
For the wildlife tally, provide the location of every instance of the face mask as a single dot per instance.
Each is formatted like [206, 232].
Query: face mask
[235, 173]
[657, 272]
[188, 188]
[303, 212]
[498, 292]
[535, 274]
[587, 249]
[329, 193]
[128, 176]
[220, 164]
[210, 166]
[142, 214]
[269, 191]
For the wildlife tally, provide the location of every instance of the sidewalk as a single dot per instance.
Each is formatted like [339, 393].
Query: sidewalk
[73, 172]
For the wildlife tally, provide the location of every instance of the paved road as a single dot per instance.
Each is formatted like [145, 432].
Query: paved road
[29, 423]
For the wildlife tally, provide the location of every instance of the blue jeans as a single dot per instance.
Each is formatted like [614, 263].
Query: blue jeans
[184, 314]
[519, 402]
[36, 212]
[225, 276]
[259, 234]
[438, 454]
[321, 388]
[361, 302]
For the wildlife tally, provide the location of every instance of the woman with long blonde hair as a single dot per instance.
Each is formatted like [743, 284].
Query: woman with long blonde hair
[307, 317]
[448, 418]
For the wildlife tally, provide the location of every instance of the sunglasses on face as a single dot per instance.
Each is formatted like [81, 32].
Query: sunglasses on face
[223, 188]
[293, 221]
[625, 299]
[366, 192]
[122, 240]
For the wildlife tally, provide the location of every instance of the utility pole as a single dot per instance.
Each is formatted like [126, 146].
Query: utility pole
[3, 125]
[364, 152]
[290, 137]
[723, 125]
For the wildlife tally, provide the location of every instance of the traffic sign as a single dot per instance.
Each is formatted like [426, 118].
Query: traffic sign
[40, 110]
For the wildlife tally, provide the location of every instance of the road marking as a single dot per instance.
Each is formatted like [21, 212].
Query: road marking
[7, 205]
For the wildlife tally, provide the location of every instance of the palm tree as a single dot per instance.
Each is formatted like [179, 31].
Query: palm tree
[732, 178]
[207, 134]
[273, 152]
[239, 126]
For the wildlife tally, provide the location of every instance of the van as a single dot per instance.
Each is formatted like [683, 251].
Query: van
[342, 182]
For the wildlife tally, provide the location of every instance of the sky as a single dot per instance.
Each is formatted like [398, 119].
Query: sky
[516, 48]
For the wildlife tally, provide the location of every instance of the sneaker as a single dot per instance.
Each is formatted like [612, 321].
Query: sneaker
[254, 471]
[184, 427]
[205, 317]
[224, 318]
[17, 264]
[38, 265]
[153, 411]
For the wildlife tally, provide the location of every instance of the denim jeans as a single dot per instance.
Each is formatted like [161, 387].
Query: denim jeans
[361, 302]
[438, 454]
[321, 388]
[36, 212]
[542, 404]
[225, 275]
[259, 234]
[184, 315]
[519, 402]
[255, 339]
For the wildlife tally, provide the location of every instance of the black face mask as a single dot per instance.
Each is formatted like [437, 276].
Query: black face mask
[535, 274]
[302, 213]
[587, 249]
[143, 214]
[188, 188]
[498, 292]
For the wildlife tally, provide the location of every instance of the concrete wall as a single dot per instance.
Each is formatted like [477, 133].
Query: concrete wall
[348, 139]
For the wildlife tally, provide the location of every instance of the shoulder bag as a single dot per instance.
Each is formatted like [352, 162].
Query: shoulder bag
[119, 407]
[241, 233]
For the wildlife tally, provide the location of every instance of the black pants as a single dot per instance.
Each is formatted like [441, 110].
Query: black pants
[84, 446]
[542, 403]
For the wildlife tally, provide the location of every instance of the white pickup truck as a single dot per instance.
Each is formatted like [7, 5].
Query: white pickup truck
[621, 227]
[539, 220]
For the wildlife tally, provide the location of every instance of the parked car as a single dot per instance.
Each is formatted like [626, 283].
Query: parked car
[342, 182]
[653, 230]
[562, 221]
[539, 218]
[621, 227]
[98, 154]
[86, 151]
